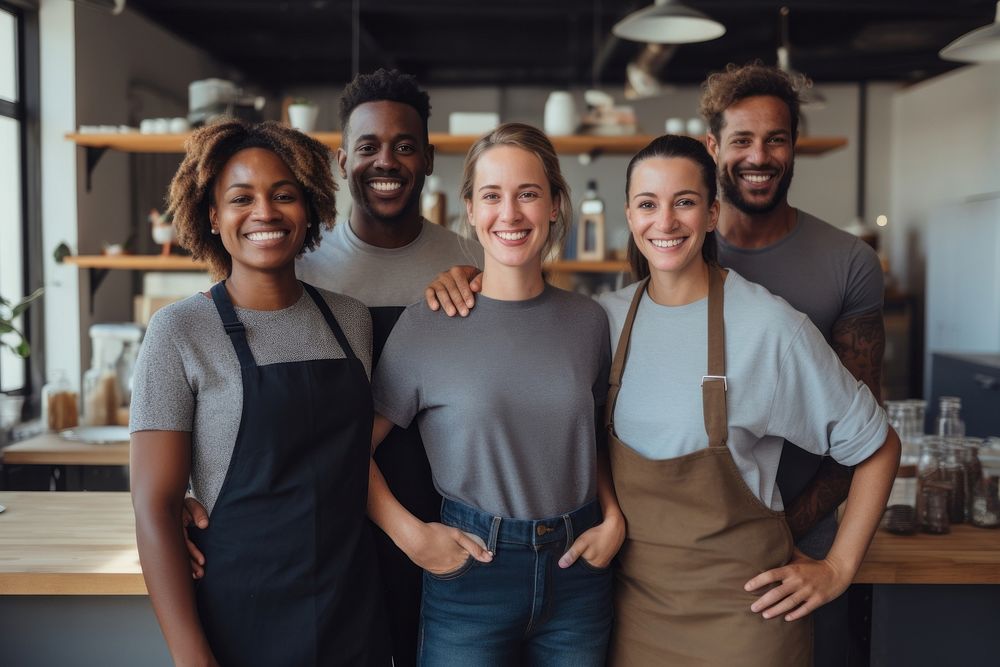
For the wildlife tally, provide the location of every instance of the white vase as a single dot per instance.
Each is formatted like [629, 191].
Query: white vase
[302, 117]
[560, 114]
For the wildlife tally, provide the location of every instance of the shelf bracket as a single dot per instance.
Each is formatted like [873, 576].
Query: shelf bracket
[97, 277]
[93, 155]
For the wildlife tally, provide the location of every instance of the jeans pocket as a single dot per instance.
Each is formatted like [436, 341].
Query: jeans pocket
[593, 568]
[453, 574]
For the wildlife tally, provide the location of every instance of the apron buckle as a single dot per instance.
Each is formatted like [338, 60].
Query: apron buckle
[725, 384]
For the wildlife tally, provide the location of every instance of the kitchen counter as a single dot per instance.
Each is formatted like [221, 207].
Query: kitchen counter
[65, 543]
[967, 555]
[53, 449]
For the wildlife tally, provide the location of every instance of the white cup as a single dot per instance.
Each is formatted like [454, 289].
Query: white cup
[161, 125]
[302, 117]
[695, 127]
[675, 126]
[560, 114]
[179, 125]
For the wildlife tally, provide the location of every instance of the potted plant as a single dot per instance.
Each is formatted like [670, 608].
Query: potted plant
[13, 338]
[302, 114]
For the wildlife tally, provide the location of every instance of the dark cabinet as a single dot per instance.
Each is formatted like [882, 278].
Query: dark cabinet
[975, 378]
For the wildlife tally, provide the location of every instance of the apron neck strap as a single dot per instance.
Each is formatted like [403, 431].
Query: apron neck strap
[621, 355]
[231, 323]
[714, 385]
[331, 321]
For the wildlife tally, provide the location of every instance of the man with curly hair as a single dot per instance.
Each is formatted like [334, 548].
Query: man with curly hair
[752, 113]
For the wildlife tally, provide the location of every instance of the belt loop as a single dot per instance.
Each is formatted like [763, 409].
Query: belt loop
[491, 545]
[570, 537]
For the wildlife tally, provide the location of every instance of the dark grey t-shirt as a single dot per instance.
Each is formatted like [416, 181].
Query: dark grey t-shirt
[504, 399]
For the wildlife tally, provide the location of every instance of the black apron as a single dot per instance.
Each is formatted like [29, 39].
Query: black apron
[290, 575]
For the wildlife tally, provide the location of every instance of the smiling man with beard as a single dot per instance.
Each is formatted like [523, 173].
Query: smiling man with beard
[752, 113]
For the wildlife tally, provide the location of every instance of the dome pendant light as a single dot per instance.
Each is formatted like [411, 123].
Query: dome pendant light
[668, 22]
[982, 45]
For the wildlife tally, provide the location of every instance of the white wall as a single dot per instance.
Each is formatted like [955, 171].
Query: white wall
[946, 148]
[59, 215]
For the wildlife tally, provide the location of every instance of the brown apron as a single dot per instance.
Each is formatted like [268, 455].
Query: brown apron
[696, 535]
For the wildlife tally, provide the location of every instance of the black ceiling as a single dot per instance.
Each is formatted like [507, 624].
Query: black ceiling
[278, 43]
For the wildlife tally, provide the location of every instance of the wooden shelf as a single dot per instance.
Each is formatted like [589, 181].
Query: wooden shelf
[445, 144]
[137, 262]
[583, 266]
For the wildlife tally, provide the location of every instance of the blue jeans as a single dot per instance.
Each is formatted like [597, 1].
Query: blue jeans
[521, 608]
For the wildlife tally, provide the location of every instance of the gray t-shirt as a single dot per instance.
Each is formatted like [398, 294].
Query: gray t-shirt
[820, 270]
[504, 399]
[187, 377]
[784, 381]
[385, 276]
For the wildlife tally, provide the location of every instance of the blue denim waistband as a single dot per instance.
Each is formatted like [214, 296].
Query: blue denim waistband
[564, 528]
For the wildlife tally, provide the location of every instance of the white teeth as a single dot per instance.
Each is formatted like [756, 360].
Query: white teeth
[385, 186]
[666, 243]
[756, 178]
[265, 236]
[512, 236]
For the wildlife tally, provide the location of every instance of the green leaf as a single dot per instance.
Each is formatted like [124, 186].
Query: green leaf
[5, 328]
[23, 349]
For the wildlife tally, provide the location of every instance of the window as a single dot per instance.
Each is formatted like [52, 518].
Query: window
[14, 181]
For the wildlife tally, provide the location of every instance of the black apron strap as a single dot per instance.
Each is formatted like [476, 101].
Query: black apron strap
[714, 385]
[331, 321]
[621, 355]
[231, 323]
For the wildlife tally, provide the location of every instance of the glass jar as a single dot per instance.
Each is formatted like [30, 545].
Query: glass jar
[935, 504]
[985, 505]
[101, 396]
[955, 478]
[929, 472]
[900, 515]
[59, 403]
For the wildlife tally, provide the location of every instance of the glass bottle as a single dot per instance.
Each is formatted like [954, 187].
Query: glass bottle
[929, 473]
[935, 503]
[59, 403]
[950, 422]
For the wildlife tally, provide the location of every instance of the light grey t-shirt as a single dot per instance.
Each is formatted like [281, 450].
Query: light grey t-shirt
[820, 270]
[504, 399]
[187, 377]
[385, 276]
[784, 381]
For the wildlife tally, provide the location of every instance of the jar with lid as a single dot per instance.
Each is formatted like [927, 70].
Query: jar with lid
[101, 396]
[985, 505]
[969, 458]
[59, 403]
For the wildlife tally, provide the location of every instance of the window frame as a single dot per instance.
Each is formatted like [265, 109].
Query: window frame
[26, 112]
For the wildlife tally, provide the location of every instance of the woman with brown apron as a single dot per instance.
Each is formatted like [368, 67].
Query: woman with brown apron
[258, 392]
[708, 562]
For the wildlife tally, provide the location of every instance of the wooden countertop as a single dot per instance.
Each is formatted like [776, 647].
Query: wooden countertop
[63, 543]
[967, 555]
[51, 449]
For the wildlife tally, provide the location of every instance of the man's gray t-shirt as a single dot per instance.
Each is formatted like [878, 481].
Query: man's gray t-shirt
[187, 377]
[824, 272]
[504, 399]
[385, 276]
[783, 380]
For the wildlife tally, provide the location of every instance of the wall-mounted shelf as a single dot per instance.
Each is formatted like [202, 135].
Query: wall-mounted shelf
[99, 265]
[447, 144]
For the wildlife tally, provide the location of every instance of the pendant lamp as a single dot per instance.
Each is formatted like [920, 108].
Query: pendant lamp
[982, 45]
[668, 22]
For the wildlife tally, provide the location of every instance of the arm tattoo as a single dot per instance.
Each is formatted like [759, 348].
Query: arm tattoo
[860, 344]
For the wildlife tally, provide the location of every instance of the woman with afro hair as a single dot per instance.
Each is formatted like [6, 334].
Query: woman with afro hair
[257, 393]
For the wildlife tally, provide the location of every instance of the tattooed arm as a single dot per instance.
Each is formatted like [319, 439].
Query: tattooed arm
[860, 344]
